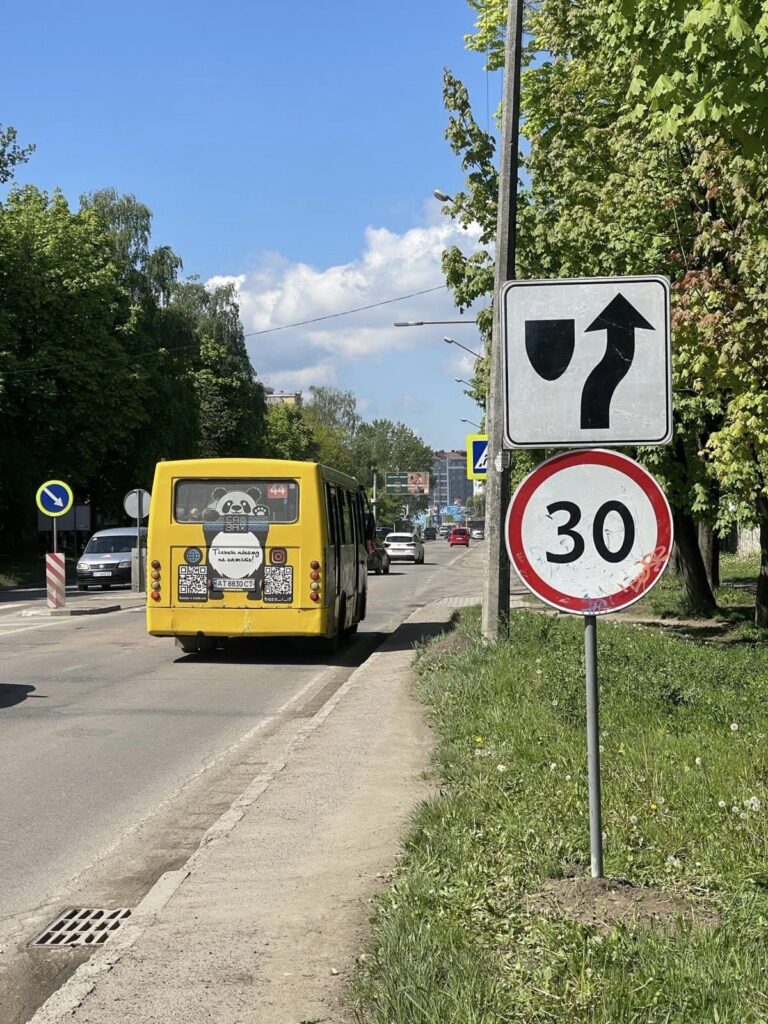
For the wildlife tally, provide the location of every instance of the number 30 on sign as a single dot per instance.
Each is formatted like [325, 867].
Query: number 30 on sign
[589, 532]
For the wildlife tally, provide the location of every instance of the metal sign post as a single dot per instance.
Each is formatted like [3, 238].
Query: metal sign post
[589, 532]
[593, 746]
[136, 505]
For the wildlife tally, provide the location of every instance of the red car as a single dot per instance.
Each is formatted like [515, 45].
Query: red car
[459, 535]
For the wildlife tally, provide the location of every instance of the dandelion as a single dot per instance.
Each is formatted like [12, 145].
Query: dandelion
[553, 766]
[698, 760]
[567, 778]
[654, 807]
[734, 726]
[539, 672]
[501, 767]
[633, 819]
[752, 803]
[721, 803]
[743, 816]
[554, 703]
[734, 810]
[479, 740]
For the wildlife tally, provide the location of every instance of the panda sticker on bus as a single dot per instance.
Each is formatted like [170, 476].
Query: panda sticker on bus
[235, 529]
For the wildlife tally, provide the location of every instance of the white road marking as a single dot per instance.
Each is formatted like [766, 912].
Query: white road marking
[26, 629]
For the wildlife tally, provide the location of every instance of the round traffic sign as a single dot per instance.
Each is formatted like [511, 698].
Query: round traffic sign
[136, 503]
[589, 532]
[54, 498]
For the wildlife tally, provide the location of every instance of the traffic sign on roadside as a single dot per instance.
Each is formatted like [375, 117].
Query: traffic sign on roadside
[589, 532]
[54, 498]
[136, 503]
[586, 362]
[477, 456]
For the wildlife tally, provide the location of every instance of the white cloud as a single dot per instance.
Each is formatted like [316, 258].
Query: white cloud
[279, 292]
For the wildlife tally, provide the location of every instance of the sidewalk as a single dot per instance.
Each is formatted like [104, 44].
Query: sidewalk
[263, 924]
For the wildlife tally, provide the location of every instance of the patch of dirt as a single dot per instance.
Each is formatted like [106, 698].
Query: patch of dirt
[605, 903]
[448, 643]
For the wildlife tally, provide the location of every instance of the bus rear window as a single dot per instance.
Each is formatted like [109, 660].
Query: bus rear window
[198, 500]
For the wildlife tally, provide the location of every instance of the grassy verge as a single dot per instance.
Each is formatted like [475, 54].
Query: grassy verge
[23, 567]
[685, 778]
[735, 595]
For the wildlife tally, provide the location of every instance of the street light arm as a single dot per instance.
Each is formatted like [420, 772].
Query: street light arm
[452, 341]
[421, 323]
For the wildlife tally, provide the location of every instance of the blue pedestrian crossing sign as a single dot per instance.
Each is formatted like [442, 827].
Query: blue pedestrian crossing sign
[477, 456]
[54, 498]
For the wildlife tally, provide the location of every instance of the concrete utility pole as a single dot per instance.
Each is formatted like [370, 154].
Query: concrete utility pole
[496, 590]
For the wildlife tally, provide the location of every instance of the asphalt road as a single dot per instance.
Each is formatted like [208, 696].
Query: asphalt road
[118, 751]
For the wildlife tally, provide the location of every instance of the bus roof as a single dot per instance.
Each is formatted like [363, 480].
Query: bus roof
[250, 467]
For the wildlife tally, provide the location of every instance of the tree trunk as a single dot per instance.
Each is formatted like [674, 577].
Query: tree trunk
[761, 599]
[674, 561]
[700, 596]
[709, 546]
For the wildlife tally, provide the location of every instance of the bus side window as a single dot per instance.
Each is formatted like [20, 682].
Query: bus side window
[348, 535]
[330, 508]
[359, 518]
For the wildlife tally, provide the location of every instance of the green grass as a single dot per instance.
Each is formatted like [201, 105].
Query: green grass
[684, 809]
[735, 596]
[24, 567]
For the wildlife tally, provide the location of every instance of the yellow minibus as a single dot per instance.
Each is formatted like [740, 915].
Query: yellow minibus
[255, 547]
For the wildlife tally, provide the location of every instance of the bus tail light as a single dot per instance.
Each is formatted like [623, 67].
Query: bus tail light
[314, 586]
[155, 586]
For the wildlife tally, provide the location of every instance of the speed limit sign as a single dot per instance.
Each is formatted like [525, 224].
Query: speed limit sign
[589, 532]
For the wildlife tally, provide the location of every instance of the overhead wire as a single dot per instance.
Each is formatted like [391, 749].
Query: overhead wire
[250, 334]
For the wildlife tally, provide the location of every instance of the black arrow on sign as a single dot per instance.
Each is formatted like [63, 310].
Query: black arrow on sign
[620, 320]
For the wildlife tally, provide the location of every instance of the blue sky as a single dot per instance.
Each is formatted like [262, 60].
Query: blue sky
[292, 148]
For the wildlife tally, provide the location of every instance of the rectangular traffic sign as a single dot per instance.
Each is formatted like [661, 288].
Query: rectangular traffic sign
[587, 362]
[477, 456]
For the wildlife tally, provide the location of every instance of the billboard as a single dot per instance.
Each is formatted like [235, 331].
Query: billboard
[406, 483]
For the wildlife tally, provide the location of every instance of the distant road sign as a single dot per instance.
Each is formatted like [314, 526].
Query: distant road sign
[587, 362]
[54, 498]
[136, 504]
[589, 532]
[477, 456]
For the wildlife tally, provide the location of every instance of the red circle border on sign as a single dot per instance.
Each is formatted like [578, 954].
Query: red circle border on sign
[649, 573]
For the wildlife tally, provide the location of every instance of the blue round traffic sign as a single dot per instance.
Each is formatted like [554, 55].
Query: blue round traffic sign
[54, 498]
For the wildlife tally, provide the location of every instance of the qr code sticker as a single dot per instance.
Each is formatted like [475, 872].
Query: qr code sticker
[193, 582]
[278, 584]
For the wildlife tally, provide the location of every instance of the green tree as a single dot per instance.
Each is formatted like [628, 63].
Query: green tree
[68, 393]
[288, 435]
[390, 447]
[11, 153]
[231, 410]
[627, 177]
[332, 414]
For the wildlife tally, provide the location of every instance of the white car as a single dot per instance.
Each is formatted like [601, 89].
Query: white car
[404, 547]
[478, 534]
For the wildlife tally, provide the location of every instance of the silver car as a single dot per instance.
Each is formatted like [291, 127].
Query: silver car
[106, 559]
[404, 547]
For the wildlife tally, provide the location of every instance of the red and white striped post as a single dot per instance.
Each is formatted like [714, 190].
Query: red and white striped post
[55, 579]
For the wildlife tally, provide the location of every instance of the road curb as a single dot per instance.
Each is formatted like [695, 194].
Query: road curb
[45, 613]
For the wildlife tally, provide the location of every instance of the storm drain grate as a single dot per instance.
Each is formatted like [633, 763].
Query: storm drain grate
[82, 926]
